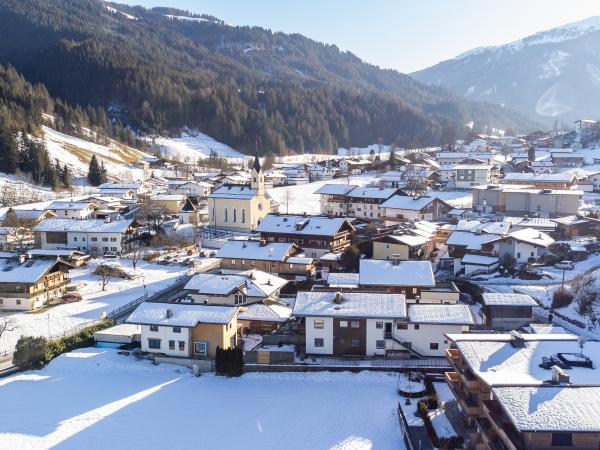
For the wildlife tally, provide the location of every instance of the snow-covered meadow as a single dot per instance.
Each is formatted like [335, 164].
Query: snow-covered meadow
[96, 399]
[56, 320]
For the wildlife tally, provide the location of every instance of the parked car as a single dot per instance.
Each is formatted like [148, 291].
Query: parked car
[212, 254]
[110, 255]
[565, 265]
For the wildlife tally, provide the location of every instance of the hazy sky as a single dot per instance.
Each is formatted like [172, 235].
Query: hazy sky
[402, 34]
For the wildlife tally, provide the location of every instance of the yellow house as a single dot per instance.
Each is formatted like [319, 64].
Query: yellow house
[240, 207]
[172, 202]
[184, 330]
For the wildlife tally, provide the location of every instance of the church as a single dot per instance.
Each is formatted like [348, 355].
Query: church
[240, 207]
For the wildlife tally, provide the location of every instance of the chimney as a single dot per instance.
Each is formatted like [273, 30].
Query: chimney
[169, 313]
[22, 258]
[559, 376]
[243, 245]
[269, 282]
[338, 298]
[263, 242]
[107, 219]
[516, 339]
[396, 259]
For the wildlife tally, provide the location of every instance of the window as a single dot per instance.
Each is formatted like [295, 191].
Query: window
[319, 342]
[233, 262]
[380, 345]
[434, 346]
[343, 324]
[153, 327]
[355, 343]
[176, 329]
[104, 239]
[562, 439]
[402, 326]
[239, 298]
[75, 238]
[154, 343]
[234, 215]
[201, 348]
[171, 345]
[414, 291]
[94, 239]
[114, 249]
[18, 302]
[518, 255]
[379, 325]
[113, 239]
[181, 346]
[355, 324]
[225, 215]
[318, 323]
[243, 216]
[416, 326]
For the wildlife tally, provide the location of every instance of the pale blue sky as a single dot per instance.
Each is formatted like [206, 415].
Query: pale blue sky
[399, 34]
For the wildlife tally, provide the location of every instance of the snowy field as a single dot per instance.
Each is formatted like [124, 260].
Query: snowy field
[193, 145]
[95, 399]
[56, 320]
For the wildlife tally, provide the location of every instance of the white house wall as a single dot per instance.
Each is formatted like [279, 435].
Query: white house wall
[326, 333]
[166, 334]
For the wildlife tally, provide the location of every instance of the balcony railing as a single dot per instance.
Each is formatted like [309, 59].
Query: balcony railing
[452, 355]
[453, 379]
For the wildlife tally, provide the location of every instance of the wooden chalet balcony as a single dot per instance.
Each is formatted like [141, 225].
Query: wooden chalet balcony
[453, 356]
[470, 408]
[501, 429]
[469, 381]
[453, 379]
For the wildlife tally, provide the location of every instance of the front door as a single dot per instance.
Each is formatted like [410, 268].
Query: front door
[388, 330]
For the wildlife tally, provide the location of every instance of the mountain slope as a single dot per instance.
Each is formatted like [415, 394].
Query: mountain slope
[550, 75]
[246, 87]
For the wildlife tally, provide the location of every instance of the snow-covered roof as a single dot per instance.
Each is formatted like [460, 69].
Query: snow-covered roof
[531, 222]
[440, 313]
[266, 313]
[570, 220]
[410, 240]
[234, 191]
[364, 305]
[402, 273]
[499, 363]
[84, 225]
[475, 226]
[542, 177]
[342, 280]
[335, 189]
[254, 283]
[52, 252]
[546, 328]
[182, 315]
[29, 271]
[372, 192]
[479, 260]
[167, 197]
[119, 186]
[551, 408]
[531, 236]
[299, 260]
[472, 167]
[501, 299]
[471, 241]
[272, 251]
[408, 202]
[305, 225]
[67, 205]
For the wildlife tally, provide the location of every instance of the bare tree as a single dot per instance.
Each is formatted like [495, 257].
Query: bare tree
[18, 231]
[153, 216]
[104, 272]
[137, 252]
[288, 197]
[6, 325]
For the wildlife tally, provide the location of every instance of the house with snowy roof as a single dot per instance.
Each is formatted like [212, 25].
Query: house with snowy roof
[263, 318]
[403, 208]
[65, 209]
[527, 391]
[411, 241]
[542, 181]
[349, 200]
[243, 288]
[414, 279]
[376, 324]
[316, 235]
[522, 245]
[184, 330]
[280, 258]
[125, 191]
[241, 207]
[28, 283]
[196, 189]
[503, 311]
[92, 236]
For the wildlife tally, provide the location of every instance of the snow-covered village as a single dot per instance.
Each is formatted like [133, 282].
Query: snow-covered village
[218, 236]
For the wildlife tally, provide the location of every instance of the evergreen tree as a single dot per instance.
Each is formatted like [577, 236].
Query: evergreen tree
[9, 149]
[66, 178]
[94, 175]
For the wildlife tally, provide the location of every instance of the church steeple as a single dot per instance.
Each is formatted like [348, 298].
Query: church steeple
[258, 177]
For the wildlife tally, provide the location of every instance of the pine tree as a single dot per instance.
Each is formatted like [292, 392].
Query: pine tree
[103, 174]
[66, 178]
[9, 151]
[94, 175]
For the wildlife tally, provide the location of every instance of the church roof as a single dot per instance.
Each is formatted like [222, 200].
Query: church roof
[256, 163]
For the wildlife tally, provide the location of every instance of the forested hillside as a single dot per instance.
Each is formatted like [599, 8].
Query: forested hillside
[247, 87]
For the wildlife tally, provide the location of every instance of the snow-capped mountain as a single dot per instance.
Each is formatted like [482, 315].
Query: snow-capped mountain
[553, 74]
